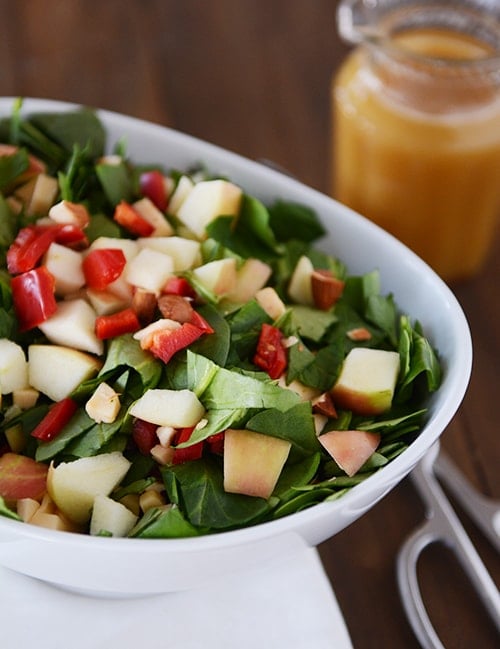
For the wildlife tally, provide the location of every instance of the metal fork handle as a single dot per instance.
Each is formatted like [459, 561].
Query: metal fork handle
[485, 512]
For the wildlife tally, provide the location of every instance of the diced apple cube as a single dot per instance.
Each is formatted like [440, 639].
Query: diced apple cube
[218, 276]
[250, 278]
[270, 301]
[127, 246]
[300, 287]
[26, 397]
[56, 371]
[67, 212]
[13, 367]
[350, 448]
[66, 267]
[103, 405]
[149, 270]
[111, 516]
[206, 201]
[73, 325]
[73, 486]
[184, 186]
[176, 408]
[367, 381]
[253, 462]
[148, 210]
[38, 194]
[105, 302]
[184, 252]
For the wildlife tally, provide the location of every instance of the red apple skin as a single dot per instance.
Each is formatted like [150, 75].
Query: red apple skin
[359, 402]
[252, 462]
[21, 477]
[350, 448]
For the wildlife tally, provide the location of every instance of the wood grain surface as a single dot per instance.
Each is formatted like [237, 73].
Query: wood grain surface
[253, 76]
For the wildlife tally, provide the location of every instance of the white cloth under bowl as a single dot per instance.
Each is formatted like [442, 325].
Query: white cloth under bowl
[289, 605]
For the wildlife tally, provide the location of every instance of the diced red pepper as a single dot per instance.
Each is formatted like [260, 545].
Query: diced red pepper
[33, 297]
[33, 241]
[102, 266]
[152, 185]
[216, 443]
[144, 435]
[130, 219]
[178, 286]
[21, 477]
[189, 453]
[55, 420]
[199, 321]
[166, 342]
[116, 324]
[270, 355]
[70, 235]
[29, 246]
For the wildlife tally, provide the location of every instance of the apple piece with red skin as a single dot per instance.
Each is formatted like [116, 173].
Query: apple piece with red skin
[253, 462]
[73, 486]
[350, 448]
[367, 381]
[21, 477]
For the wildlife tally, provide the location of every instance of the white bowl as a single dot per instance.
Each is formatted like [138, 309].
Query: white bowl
[109, 566]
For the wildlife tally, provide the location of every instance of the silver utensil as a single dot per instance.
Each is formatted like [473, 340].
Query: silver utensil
[443, 525]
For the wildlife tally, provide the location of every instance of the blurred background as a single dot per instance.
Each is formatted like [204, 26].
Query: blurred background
[253, 76]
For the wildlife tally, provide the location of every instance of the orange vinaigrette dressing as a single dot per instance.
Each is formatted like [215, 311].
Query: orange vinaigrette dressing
[425, 165]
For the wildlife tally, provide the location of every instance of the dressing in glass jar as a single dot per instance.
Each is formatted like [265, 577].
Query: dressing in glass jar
[416, 116]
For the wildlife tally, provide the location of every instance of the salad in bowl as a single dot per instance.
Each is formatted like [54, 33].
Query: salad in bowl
[198, 350]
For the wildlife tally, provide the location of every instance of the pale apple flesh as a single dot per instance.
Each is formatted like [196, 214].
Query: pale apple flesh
[73, 486]
[253, 462]
[350, 448]
[367, 381]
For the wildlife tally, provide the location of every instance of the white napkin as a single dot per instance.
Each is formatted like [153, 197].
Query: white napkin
[289, 605]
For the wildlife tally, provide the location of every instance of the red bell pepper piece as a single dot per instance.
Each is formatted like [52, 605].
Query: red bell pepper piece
[131, 220]
[270, 354]
[29, 246]
[166, 342]
[116, 324]
[144, 435]
[178, 286]
[216, 443]
[102, 266]
[33, 241]
[55, 420]
[152, 185]
[189, 453]
[199, 321]
[33, 297]
[70, 235]
[21, 477]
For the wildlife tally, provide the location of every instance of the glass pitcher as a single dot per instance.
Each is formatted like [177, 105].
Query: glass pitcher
[416, 125]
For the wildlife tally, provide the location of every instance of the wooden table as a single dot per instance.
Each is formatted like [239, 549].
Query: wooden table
[253, 76]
